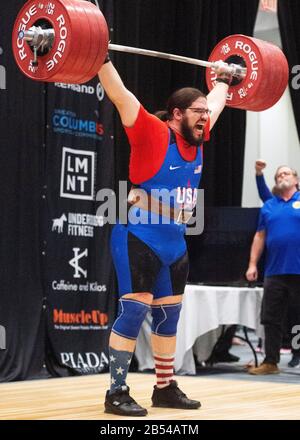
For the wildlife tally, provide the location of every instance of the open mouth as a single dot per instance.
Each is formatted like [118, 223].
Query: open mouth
[199, 128]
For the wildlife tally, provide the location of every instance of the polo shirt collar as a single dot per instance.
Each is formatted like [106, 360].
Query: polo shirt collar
[295, 196]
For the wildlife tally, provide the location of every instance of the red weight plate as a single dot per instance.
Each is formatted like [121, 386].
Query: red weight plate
[69, 71]
[242, 47]
[76, 64]
[85, 61]
[275, 77]
[264, 83]
[93, 49]
[99, 47]
[57, 15]
[102, 37]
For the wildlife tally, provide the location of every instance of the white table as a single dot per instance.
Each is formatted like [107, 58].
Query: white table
[205, 308]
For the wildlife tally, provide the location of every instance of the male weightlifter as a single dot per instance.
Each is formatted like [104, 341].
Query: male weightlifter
[150, 256]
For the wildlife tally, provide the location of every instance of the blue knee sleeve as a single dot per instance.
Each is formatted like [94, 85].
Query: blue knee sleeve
[130, 318]
[165, 319]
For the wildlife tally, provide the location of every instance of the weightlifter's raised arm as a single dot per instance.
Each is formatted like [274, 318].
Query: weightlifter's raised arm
[125, 101]
[216, 99]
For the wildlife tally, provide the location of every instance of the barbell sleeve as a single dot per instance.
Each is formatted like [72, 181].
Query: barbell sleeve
[26, 35]
[36, 36]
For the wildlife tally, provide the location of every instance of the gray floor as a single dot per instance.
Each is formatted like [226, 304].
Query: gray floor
[238, 369]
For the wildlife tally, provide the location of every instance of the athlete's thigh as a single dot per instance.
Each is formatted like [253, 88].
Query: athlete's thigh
[172, 279]
[136, 264]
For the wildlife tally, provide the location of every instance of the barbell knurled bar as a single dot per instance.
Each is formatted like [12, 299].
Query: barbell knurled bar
[233, 69]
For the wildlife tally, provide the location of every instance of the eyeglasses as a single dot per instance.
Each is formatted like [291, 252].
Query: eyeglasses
[200, 111]
[284, 173]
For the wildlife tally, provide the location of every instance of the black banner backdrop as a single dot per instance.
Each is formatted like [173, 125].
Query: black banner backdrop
[56, 142]
[22, 107]
[79, 275]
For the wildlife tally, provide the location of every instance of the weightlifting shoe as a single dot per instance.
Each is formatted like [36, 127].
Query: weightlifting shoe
[295, 361]
[172, 397]
[122, 404]
[264, 368]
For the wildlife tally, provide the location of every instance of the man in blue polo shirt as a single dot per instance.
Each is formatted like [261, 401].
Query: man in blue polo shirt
[290, 319]
[278, 230]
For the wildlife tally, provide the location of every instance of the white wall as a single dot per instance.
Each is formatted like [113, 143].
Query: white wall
[272, 134]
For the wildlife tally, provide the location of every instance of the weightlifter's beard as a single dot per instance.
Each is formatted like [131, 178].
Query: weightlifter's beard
[188, 134]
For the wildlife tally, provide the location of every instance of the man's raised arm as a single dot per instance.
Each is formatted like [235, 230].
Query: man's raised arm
[125, 101]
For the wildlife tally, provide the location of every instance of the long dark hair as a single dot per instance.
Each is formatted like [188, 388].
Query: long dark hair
[181, 99]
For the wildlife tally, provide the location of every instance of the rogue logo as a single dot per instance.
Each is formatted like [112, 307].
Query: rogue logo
[32, 11]
[2, 338]
[247, 49]
[74, 263]
[63, 33]
[77, 174]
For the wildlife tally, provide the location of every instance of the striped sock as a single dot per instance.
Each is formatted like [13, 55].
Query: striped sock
[164, 369]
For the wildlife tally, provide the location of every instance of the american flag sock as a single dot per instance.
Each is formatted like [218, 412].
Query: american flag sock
[119, 365]
[164, 369]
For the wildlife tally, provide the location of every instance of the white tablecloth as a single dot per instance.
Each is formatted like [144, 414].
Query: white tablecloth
[205, 308]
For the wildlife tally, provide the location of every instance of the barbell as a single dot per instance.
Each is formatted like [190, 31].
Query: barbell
[67, 41]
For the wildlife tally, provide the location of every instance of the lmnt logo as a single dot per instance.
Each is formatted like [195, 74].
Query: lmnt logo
[2, 74]
[2, 338]
[82, 317]
[77, 174]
